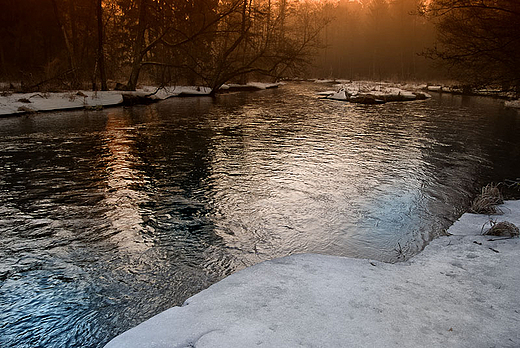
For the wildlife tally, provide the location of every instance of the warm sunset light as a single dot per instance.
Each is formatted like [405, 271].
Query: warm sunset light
[259, 173]
[208, 42]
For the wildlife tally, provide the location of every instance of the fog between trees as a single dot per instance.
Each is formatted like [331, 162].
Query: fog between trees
[376, 39]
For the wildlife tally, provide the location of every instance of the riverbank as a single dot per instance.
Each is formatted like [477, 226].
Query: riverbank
[24, 103]
[27, 103]
[461, 291]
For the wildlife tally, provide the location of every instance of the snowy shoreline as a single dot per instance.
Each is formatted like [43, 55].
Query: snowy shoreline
[12, 104]
[23, 103]
[461, 291]
[363, 92]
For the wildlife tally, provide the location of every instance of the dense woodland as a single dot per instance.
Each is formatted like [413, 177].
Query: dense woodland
[478, 40]
[56, 44]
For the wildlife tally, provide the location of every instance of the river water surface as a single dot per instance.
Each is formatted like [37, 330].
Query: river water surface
[109, 217]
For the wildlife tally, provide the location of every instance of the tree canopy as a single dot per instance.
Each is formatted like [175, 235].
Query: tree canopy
[479, 40]
[51, 44]
[66, 43]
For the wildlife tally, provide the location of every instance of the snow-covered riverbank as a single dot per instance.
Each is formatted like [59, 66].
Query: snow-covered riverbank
[371, 92]
[22, 103]
[461, 291]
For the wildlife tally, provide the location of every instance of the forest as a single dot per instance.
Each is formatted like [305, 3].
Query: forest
[101, 44]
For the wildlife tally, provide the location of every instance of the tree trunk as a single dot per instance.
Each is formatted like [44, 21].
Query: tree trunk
[70, 49]
[137, 55]
[101, 55]
[74, 33]
[243, 78]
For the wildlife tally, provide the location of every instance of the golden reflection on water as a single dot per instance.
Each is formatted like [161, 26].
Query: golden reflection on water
[122, 179]
[348, 182]
[109, 217]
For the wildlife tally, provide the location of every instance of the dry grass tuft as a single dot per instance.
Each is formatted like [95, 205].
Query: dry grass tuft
[487, 201]
[503, 229]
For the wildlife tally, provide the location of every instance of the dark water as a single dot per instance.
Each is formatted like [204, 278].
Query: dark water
[109, 217]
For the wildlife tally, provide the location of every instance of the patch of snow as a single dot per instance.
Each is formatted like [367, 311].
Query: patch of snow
[263, 85]
[512, 104]
[251, 85]
[33, 102]
[16, 103]
[435, 88]
[510, 211]
[324, 81]
[174, 91]
[326, 93]
[342, 94]
[374, 92]
[461, 291]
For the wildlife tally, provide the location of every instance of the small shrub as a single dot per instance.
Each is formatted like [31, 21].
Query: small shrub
[26, 109]
[503, 229]
[487, 200]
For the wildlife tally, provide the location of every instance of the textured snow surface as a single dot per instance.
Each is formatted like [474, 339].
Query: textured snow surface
[467, 223]
[512, 103]
[461, 291]
[381, 90]
[18, 103]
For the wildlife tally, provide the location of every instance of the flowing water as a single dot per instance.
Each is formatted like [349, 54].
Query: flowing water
[109, 217]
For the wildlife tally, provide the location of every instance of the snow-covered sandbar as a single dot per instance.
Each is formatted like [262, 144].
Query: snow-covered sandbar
[368, 92]
[461, 291]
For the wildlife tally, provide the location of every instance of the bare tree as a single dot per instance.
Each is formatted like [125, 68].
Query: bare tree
[101, 55]
[252, 41]
[68, 44]
[206, 42]
[479, 40]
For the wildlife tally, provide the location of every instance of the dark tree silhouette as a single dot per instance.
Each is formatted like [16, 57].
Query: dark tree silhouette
[479, 39]
[60, 44]
[101, 55]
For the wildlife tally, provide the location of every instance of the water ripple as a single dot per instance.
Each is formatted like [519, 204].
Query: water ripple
[109, 217]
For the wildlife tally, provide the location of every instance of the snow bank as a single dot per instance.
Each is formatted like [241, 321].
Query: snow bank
[34, 102]
[468, 222]
[461, 291]
[483, 92]
[366, 92]
[175, 91]
[512, 104]
[435, 88]
[251, 86]
[19, 103]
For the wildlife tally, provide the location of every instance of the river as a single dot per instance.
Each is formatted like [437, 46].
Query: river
[109, 217]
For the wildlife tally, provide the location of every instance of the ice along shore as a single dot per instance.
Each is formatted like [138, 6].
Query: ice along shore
[461, 291]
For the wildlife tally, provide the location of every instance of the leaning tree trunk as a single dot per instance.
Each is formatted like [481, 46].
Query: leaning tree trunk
[138, 55]
[101, 55]
[70, 50]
